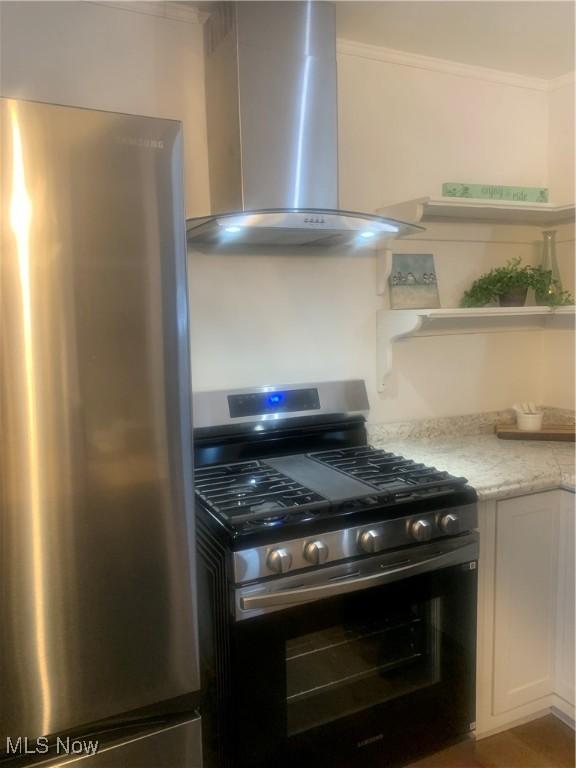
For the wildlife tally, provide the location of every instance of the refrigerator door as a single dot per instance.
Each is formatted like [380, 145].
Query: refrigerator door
[97, 591]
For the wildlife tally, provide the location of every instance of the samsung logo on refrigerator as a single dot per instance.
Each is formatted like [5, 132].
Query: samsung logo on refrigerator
[139, 141]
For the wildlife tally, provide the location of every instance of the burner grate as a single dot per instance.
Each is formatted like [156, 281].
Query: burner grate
[404, 479]
[255, 494]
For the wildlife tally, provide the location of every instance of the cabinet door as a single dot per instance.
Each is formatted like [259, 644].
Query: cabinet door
[565, 604]
[525, 591]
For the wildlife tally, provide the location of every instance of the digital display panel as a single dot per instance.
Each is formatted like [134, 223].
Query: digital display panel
[261, 403]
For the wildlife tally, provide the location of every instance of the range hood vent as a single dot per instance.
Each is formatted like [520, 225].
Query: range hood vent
[271, 107]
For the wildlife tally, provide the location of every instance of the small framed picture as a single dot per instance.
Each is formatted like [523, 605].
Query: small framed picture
[413, 282]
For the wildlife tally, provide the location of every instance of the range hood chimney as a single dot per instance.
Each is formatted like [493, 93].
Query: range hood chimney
[272, 120]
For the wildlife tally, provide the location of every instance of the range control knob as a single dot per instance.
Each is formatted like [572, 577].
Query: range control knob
[371, 541]
[450, 524]
[421, 530]
[315, 552]
[279, 560]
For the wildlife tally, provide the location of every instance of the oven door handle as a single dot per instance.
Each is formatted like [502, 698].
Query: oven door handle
[301, 595]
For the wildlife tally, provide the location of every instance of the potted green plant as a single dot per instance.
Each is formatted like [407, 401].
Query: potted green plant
[508, 285]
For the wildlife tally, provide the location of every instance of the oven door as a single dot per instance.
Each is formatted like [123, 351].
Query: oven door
[373, 659]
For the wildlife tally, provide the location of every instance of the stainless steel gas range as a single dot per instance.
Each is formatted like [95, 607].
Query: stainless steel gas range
[339, 581]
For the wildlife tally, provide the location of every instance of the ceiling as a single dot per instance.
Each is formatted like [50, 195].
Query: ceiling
[534, 38]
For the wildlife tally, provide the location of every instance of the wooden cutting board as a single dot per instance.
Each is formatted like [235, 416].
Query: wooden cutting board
[562, 432]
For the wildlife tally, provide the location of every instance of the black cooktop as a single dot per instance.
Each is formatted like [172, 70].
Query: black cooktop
[257, 495]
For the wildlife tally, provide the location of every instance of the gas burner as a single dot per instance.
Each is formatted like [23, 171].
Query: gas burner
[403, 479]
[265, 507]
[254, 492]
[265, 522]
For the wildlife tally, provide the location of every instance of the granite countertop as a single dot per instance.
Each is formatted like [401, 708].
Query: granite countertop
[496, 468]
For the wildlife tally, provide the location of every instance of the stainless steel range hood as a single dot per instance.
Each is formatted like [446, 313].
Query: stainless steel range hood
[272, 122]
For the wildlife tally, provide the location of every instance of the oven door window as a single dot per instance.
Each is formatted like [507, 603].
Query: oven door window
[352, 674]
[361, 662]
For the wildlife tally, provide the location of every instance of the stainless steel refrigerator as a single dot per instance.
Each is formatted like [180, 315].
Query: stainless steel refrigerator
[98, 634]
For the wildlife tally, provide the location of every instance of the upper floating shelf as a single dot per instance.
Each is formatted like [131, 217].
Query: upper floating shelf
[459, 209]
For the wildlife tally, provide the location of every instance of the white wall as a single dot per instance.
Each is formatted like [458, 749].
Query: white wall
[405, 130]
[101, 57]
[307, 316]
[561, 142]
[558, 363]
[557, 368]
[566, 256]
[298, 317]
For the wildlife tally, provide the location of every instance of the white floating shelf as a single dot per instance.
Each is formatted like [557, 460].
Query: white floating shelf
[459, 209]
[397, 324]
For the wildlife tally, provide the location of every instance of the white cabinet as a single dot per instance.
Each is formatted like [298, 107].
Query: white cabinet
[565, 600]
[525, 599]
[525, 609]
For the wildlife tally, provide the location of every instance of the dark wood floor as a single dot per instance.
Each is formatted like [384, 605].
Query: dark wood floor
[543, 743]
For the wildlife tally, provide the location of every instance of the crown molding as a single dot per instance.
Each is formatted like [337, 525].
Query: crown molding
[406, 59]
[173, 10]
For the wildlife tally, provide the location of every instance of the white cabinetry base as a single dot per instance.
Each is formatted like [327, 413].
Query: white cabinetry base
[525, 665]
